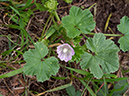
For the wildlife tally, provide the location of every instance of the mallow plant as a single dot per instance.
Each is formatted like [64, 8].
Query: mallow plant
[100, 55]
[97, 56]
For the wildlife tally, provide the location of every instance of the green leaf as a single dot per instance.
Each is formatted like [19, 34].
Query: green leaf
[4, 0]
[13, 26]
[78, 71]
[68, 1]
[110, 80]
[26, 16]
[71, 91]
[27, 4]
[103, 53]
[60, 87]
[37, 65]
[78, 93]
[14, 18]
[40, 7]
[1, 94]
[15, 10]
[50, 32]
[43, 1]
[78, 20]
[12, 73]
[124, 28]
[110, 75]
[77, 40]
[88, 88]
[78, 52]
[120, 88]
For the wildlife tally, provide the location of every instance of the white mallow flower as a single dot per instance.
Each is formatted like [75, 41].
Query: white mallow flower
[65, 52]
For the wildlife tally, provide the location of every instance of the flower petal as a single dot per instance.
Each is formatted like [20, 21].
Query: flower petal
[67, 55]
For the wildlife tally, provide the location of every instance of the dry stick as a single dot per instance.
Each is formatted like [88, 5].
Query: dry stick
[29, 24]
[7, 86]
[126, 92]
[15, 35]
[119, 73]
[111, 30]
[53, 45]
[5, 4]
[10, 19]
[26, 87]
[30, 92]
[100, 87]
[4, 18]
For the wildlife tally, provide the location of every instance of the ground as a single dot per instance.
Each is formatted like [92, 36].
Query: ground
[14, 86]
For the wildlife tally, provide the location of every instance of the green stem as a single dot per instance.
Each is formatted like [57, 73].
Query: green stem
[91, 6]
[56, 15]
[105, 93]
[107, 34]
[54, 21]
[45, 26]
[86, 86]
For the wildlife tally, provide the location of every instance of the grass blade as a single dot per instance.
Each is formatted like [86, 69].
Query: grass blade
[110, 80]
[12, 73]
[57, 88]
[15, 10]
[78, 71]
[88, 88]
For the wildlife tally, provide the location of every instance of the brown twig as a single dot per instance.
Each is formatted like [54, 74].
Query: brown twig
[8, 87]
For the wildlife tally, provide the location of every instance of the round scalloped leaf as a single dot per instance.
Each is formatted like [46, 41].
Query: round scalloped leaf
[78, 20]
[37, 65]
[123, 27]
[104, 57]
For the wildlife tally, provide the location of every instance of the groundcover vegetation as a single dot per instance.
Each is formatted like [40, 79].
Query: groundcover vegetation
[58, 46]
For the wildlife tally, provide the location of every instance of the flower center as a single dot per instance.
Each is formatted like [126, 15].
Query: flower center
[65, 50]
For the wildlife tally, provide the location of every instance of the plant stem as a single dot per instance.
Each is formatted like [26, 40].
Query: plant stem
[45, 26]
[86, 86]
[53, 20]
[56, 15]
[105, 93]
[107, 34]
[91, 6]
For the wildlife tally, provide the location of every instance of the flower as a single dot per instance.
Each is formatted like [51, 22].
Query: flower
[65, 52]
